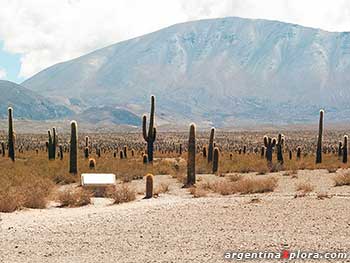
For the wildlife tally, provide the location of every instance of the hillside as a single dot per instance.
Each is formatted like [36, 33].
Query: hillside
[225, 72]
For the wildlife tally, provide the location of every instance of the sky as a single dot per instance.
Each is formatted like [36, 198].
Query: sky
[36, 34]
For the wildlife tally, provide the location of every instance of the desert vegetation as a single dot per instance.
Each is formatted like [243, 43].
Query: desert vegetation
[34, 167]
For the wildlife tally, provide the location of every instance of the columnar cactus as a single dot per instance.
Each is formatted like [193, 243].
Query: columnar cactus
[73, 152]
[191, 162]
[204, 152]
[319, 140]
[279, 146]
[211, 145]
[61, 152]
[49, 145]
[11, 135]
[340, 150]
[298, 152]
[54, 142]
[92, 163]
[86, 152]
[149, 186]
[345, 149]
[262, 153]
[269, 145]
[125, 150]
[87, 141]
[3, 149]
[149, 137]
[216, 160]
[145, 158]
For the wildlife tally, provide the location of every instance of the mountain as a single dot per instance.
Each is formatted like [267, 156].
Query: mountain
[224, 72]
[28, 104]
[109, 115]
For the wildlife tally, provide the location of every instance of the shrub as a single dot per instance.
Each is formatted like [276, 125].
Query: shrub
[246, 186]
[74, 197]
[342, 179]
[122, 194]
[305, 187]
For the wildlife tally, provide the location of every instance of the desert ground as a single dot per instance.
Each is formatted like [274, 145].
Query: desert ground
[177, 227]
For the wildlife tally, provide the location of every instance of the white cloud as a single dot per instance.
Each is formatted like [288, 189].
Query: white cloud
[3, 73]
[48, 32]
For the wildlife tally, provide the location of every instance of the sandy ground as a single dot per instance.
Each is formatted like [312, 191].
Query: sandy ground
[179, 228]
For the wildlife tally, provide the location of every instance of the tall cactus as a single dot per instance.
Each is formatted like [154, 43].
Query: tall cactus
[149, 186]
[216, 160]
[340, 150]
[345, 149]
[211, 145]
[49, 145]
[279, 146]
[149, 137]
[319, 140]
[52, 144]
[3, 149]
[73, 152]
[262, 152]
[298, 153]
[191, 162]
[269, 145]
[55, 142]
[11, 135]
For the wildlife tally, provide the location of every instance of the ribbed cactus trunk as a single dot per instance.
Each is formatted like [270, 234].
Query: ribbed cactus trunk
[149, 186]
[49, 145]
[340, 150]
[262, 153]
[269, 145]
[298, 152]
[3, 149]
[73, 152]
[345, 149]
[211, 145]
[216, 160]
[149, 137]
[61, 152]
[54, 141]
[191, 162]
[319, 140]
[11, 135]
[280, 143]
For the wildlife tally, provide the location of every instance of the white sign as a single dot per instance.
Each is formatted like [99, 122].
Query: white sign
[97, 179]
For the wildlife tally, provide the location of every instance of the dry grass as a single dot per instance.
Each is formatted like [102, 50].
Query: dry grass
[342, 179]
[74, 197]
[198, 192]
[162, 188]
[122, 194]
[304, 187]
[246, 186]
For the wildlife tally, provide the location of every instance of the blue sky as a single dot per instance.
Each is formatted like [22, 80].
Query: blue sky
[10, 64]
[40, 33]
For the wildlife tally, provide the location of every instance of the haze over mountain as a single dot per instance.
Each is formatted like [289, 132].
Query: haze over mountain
[28, 104]
[220, 71]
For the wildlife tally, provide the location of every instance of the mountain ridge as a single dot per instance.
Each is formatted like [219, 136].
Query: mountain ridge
[212, 71]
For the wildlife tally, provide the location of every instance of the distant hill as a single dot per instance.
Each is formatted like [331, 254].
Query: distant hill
[28, 104]
[109, 115]
[220, 71]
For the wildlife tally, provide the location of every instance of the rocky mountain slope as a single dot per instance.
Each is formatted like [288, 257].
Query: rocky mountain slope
[219, 71]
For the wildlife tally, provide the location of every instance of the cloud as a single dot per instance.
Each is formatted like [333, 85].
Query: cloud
[3, 73]
[47, 32]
